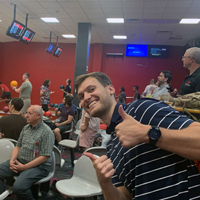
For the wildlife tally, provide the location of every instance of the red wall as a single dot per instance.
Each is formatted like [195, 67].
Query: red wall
[127, 73]
[17, 58]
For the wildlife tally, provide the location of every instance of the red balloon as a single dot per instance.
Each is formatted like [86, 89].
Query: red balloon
[48, 114]
[5, 109]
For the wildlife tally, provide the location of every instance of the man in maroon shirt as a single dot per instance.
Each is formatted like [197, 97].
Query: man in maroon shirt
[5, 92]
[66, 115]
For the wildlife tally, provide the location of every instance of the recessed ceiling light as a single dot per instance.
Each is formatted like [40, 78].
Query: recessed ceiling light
[0, 21]
[49, 20]
[115, 20]
[69, 36]
[119, 37]
[189, 21]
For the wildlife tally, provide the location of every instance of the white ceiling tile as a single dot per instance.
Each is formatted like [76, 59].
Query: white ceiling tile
[132, 4]
[113, 15]
[112, 11]
[89, 4]
[75, 16]
[70, 4]
[173, 16]
[74, 11]
[175, 10]
[39, 11]
[132, 10]
[167, 27]
[50, 5]
[179, 4]
[152, 16]
[92, 16]
[195, 4]
[133, 16]
[155, 10]
[94, 10]
[154, 4]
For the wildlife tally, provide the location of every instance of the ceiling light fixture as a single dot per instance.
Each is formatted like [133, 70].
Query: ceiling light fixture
[115, 20]
[49, 20]
[68, 36]
[189, 21]
[119, 36]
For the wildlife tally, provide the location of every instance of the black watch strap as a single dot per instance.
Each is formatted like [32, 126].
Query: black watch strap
[154, 135]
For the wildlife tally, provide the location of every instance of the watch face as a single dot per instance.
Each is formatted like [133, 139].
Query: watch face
[154, 133]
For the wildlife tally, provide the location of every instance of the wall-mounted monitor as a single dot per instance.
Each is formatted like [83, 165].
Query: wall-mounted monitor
[58, 51]
[27, 36]
[136, 50]
[50, 48]
[158, 51]
[15, 29]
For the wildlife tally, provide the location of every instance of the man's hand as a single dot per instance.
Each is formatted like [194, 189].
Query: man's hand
[16, 166]
[52, 92]
[174, 93]
[104, 168]
[56, 109]
[131, 132]
[57, 124]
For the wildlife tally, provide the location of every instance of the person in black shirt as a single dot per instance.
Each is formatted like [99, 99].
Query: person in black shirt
[191, 84]
[67, 89]
[137, 94]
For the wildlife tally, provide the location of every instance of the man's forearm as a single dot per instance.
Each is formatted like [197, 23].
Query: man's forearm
[185, 142]
[38, 161]
[110, 192]
[15, 153]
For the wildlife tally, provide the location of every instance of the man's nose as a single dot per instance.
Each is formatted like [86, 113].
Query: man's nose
[87, 96]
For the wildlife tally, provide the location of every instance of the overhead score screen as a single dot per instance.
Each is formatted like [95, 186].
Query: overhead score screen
[136, 50]
[15, 30]
[50, 48]
[158, 51]
[27, 36]
[58, 51]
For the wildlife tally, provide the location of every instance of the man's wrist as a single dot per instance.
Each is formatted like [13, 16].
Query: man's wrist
[146, 135]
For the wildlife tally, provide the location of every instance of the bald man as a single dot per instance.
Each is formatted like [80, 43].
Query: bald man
[31, 158]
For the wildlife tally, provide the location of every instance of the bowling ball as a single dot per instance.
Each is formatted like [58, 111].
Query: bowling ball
[13, 83]
[5, 109]
[55, 105]
[48, 114]
[62, 87]
[51, 105]
[43, 112]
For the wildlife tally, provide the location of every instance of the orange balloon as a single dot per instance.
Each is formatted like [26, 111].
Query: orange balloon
[13, 83]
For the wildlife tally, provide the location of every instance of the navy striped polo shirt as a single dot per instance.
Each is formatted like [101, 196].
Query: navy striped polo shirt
[150, 173]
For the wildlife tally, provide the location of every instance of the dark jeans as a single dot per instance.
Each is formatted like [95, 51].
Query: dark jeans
[25, 180]
[6, 95]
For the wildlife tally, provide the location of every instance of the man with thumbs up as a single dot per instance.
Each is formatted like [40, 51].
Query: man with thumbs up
[151, 149]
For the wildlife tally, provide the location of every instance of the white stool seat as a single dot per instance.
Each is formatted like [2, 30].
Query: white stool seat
[84, 182]
[68, 143]
[78, 187]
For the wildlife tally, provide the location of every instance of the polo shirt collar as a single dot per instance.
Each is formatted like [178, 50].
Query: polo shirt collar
[197, 71]
[37, 126]
[116, 119]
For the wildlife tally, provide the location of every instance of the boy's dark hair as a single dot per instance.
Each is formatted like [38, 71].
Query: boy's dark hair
[122, 89]
[136, 87]
[17, 103]
[168, 75]
[68, 100]
[27, 75]
[101, 77]
[69, 81]
[46, 83]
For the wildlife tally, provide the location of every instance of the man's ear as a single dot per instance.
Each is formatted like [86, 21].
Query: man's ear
[111, 89]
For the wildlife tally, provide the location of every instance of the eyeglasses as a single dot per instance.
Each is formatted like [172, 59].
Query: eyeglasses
[187, 57]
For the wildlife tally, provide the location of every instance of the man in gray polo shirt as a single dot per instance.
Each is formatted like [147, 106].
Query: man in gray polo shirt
[24, 92]
[31, 158]
[163, 81]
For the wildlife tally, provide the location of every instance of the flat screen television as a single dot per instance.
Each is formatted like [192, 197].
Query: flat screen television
[58, 51]
[27, 36]
[15, 29]
[50, 48]
[158, 51]
[136, 50]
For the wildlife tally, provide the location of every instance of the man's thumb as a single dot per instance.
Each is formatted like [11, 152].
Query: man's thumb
[91, 156]
[121, 112]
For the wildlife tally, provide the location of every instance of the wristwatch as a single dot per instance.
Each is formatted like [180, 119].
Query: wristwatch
[154, 135]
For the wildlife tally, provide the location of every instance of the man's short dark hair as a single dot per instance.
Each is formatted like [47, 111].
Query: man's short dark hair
[168, 75]
[17, 103]
[101, 77]
[122, 89]
[46, 83]
[69, 81]
[68, 100]
[136, 87]
[27, 75]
